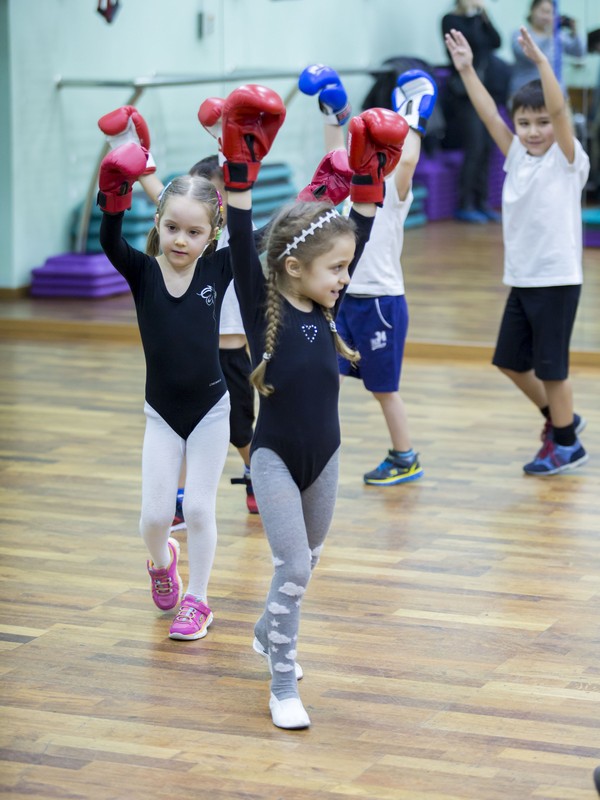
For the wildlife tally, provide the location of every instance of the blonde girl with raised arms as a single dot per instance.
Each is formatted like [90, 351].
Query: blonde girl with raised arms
[178, 287]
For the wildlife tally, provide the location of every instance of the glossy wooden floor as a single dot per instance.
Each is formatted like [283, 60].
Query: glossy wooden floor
[450, 637]
[453, 275]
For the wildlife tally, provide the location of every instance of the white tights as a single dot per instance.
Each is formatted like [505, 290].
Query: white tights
[205, 451]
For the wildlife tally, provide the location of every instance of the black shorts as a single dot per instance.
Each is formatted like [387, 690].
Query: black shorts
[535, 332]
[236, 369]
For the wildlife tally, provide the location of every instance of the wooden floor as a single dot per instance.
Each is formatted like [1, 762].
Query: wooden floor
[450, 637]
[453, 275]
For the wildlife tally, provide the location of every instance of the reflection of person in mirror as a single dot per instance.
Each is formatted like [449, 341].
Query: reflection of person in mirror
[540, 24]
[471, 19]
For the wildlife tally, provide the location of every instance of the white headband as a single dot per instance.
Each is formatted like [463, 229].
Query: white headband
[329, 215]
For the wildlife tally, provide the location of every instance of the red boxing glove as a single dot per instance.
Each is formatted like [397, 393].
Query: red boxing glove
[209, 116]
[375, 140]
[125, 125]
[331, 180]
[119, 170]
[252, 115]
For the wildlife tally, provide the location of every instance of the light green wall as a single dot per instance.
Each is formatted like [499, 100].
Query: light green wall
[51, 151]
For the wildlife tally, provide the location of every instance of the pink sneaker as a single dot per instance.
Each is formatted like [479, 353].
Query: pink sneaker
[166, 583]
[192, 620]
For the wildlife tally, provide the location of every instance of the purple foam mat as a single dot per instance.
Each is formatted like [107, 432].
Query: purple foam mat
[89, 264]
[83, 292]
[440, 175]
[591, 236]
[67, 282]
[77, 275]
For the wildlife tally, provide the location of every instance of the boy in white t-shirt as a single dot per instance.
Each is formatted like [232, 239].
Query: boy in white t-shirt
[546, 171]
[373, 317]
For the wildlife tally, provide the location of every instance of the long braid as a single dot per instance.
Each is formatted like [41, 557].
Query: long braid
[340, 345]
[273, 317]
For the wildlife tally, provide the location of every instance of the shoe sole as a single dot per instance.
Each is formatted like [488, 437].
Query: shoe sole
[581, 426]
[394, 481]
[187, 637]
[181, 526]
[258, 648]
[559, 470]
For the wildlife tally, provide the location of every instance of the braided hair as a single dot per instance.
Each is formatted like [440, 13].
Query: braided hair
[286, 227]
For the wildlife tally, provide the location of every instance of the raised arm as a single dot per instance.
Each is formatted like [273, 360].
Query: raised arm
[462, 58]
[123, 126]
[333, 101]
[252, 115]
[414, 99]
[554, 99]
[375, 141]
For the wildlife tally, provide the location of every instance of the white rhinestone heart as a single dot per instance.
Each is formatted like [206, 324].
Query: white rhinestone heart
[310, 331]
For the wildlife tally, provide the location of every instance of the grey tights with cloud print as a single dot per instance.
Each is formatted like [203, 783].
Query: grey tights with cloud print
[296, 524]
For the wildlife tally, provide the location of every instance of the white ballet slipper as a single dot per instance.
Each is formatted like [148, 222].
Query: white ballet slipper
[289, 713]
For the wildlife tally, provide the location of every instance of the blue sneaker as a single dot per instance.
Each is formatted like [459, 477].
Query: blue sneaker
[394, 470]
[471, 215]
[490, 214]
[554, 458]
[578, 422]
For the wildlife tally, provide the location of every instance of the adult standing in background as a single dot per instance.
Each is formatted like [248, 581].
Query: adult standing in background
[540, 24]
[471, 19]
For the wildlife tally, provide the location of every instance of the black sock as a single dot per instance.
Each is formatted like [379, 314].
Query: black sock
[546, 411]
[565, 436]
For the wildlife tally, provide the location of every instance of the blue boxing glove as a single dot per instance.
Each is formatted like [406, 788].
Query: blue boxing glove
[333, 100]
[414, 98]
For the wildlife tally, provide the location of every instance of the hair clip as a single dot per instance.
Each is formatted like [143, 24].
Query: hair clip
[332, 327]
[220, 201]
[267, 356]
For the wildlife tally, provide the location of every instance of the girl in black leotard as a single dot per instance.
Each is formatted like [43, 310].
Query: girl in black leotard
[289, 319]
[178, 290]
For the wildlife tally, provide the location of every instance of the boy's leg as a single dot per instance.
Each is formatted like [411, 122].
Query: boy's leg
[396, 419]
[236, 367]
[551, 312]
[379, 326]
[532, 387]
[560, 400]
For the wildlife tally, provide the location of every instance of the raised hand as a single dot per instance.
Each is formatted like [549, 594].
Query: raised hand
[252, 115]
[375, 140]
[119, 170]
[414, 98]
[125, 125]
[333, 100]
[459, 49]
[529, 47]
[331, 180]
[209, 116]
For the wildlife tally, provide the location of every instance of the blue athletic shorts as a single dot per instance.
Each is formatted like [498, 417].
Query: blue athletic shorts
[535, 332]
[376, 327]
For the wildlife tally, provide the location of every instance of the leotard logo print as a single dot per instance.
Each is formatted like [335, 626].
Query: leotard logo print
[310, 331]
[208, 294]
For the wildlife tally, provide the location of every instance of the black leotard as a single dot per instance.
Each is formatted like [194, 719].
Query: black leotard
[180, 335]
[300, 420]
